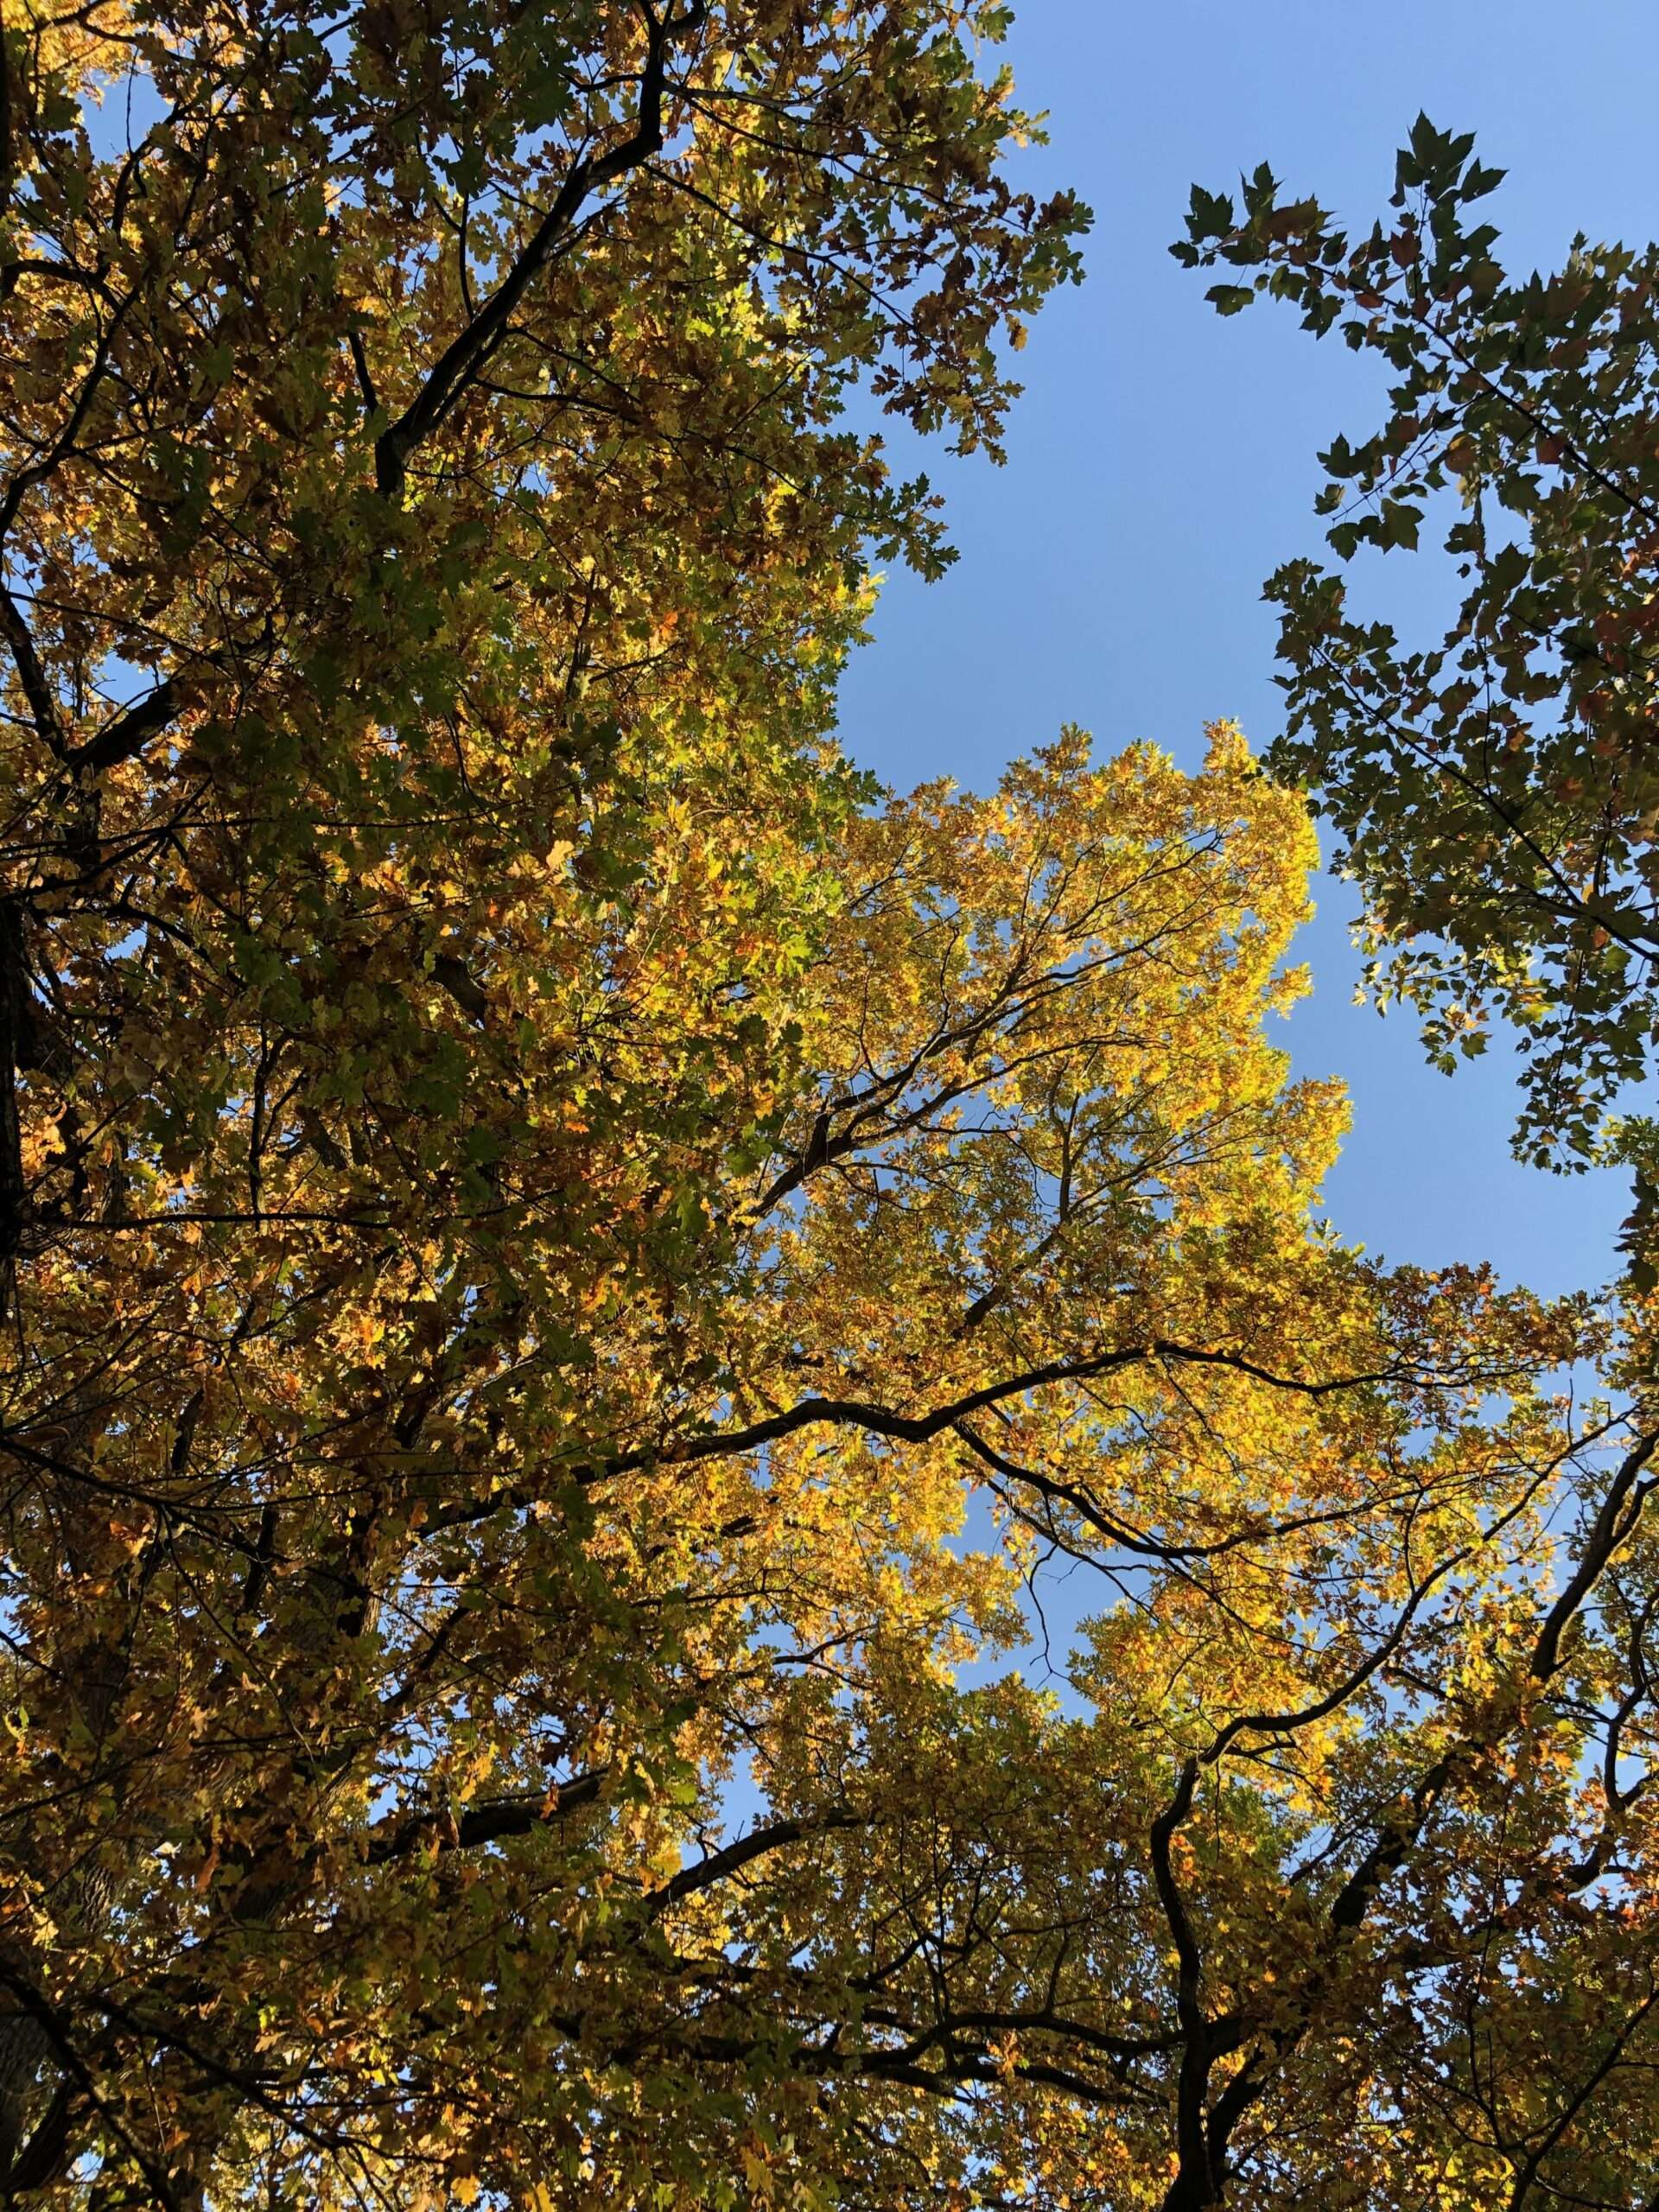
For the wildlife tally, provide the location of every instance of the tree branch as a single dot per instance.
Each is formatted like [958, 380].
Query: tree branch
[461, 361]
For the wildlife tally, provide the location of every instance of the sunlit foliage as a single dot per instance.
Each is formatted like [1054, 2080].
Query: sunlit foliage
[568, 1260]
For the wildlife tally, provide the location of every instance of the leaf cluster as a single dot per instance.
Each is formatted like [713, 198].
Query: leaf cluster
[1493, 793]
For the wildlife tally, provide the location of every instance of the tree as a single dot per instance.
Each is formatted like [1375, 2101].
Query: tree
[1494, 793]
[538, 1199]
[369, 1770]
[428, 550]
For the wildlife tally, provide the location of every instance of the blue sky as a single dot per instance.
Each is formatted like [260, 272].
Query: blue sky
[1161, 463]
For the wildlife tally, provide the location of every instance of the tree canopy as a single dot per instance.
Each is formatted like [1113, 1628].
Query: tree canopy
[571, 1266]
[1494, 790]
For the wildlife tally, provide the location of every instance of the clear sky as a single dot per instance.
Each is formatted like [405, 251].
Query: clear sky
[1161, 463]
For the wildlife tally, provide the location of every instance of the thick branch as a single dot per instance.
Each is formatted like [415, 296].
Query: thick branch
[1620, 1510]
[490, 1821]
[461, 361]
[30, 674]
[130, 731]
[731, 1860]
[1193, 2183]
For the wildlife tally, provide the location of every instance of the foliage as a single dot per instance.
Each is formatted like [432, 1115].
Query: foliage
[1496, 794]
[539, 1204]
